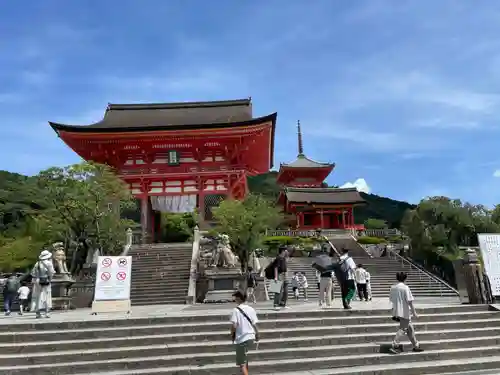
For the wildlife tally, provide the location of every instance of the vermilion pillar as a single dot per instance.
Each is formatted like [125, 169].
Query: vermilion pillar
[144, 218]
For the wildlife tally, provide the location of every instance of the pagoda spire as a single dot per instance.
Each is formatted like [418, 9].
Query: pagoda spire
[299, 138]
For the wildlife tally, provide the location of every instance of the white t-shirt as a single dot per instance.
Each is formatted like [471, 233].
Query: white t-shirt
[367, 277]
[400, 298]
[23, 292]
[244, 330]
[360, 275]
[303, 281]
[350, 263]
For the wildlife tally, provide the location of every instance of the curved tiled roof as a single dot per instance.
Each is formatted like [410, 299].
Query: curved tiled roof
[323, 195]
[304, 162]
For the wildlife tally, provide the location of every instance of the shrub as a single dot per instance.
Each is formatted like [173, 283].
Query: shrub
[395, 239]
[371, 240]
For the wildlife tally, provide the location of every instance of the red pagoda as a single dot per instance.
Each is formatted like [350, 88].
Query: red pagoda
[305, 195]
[176, 157]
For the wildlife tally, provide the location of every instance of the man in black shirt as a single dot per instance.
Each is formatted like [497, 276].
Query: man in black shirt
[280, 274]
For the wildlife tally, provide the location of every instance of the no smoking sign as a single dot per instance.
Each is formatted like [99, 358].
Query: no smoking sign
[106, 262]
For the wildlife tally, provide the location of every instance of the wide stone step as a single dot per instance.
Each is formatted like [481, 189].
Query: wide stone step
[158, 302]
[186, 348]
[189, 333]
[209, 364]
[227, 354]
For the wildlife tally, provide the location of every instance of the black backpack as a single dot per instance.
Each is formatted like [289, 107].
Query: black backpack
[252, 281]
[269, 271]
[341, 270]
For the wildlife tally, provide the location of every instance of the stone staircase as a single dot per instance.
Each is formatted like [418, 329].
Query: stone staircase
[382, 270]
[455, 338]
[160, 273]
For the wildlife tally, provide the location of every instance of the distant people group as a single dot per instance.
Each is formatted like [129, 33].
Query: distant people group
[347, 274]
[41, 295]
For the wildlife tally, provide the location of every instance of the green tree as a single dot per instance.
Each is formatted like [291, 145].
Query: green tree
[84, 201]
[177, 227]
[246, 222]
[441, 222]
[375, 224]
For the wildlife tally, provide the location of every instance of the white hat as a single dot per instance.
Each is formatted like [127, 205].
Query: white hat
[44, 255]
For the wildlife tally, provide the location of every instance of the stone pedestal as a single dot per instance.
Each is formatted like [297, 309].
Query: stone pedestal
[222, 283]
[61, 292]
[469, 277]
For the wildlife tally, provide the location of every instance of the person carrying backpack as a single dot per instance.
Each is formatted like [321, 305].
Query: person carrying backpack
[345, 276]
[251, 285]
[10, 292]
[42, 274]
[277, 271]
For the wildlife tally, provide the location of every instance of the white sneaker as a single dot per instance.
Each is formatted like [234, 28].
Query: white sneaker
[277, 308]
[287, 307]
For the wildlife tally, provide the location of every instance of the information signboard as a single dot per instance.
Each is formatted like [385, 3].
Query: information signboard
[490, 252]
[113, 278]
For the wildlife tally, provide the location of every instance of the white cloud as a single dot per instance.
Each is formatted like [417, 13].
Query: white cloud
[496, 173]
[360, 184]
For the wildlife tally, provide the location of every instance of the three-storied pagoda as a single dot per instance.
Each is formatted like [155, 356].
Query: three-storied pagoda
[176, 157]
[305, 195]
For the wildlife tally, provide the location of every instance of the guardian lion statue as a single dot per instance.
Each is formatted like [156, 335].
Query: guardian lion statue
[59, 258]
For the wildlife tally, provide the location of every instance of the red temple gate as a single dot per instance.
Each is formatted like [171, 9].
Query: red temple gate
[176, 157]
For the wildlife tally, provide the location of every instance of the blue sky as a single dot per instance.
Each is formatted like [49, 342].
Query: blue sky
[401, 93]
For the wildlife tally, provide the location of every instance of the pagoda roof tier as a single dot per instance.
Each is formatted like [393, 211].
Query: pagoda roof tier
[158, 116]
[303, 161]
[331, 196]
[302, 168]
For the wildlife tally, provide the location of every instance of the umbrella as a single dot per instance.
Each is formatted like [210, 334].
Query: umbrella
[323, 263]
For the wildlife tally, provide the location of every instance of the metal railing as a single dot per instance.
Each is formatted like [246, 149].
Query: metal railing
[432, 278]
[380, 232]
[309, 233]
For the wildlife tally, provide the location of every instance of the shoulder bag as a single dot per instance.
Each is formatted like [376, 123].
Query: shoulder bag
[252, 323]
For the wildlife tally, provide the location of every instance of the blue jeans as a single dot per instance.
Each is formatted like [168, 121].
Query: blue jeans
[8, 298]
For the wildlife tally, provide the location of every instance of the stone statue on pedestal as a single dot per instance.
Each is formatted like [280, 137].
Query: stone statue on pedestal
[62, 280]
[59, 258]
[223, 273]
[224, 256]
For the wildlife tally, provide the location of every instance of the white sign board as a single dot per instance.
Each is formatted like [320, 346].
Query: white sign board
[113, 278]
[490, 251]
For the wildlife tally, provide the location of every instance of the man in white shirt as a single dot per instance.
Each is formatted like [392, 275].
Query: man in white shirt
[402, 310]
[360, 276]
[348, 268]
[243, 330]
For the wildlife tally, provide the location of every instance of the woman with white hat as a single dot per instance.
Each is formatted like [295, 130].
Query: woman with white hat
[42, 274]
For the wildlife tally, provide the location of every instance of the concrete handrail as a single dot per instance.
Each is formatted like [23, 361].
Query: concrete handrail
[421, 269]
[128, 242]
[193, 271]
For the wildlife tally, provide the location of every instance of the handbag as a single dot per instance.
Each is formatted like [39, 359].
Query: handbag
[257, 336]
[42, 280]
[275, 286]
